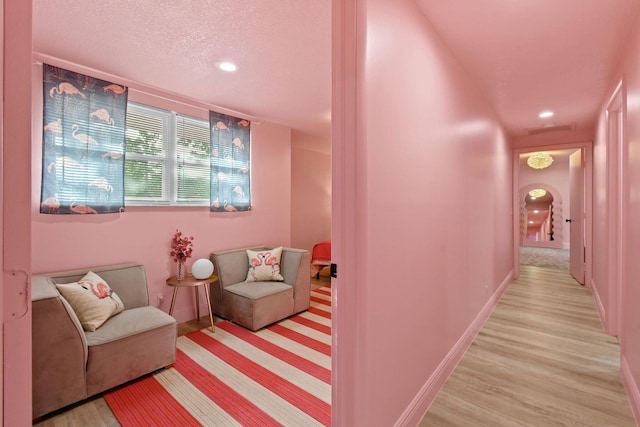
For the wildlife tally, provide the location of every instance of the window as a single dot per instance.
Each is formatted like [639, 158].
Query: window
[92, 139]
[167, 158]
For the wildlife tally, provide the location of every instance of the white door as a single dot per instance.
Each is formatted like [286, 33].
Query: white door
[577, 228]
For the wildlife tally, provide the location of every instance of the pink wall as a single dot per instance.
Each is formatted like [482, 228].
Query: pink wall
[16, 175]
[143, 234]
[2, 199]
[431, 206]
[630, 325]
[310, 194]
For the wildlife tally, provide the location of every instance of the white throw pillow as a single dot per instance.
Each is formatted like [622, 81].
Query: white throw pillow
[92, 300]
[264, 265]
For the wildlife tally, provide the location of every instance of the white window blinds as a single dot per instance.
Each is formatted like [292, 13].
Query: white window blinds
[167, 158]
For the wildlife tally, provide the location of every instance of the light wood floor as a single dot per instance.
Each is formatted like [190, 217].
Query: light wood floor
[542, 359]
[95, 412]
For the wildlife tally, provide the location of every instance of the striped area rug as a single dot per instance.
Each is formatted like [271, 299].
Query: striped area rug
[278, 376]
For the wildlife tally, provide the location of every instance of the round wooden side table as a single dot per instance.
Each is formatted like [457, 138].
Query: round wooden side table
[191, 282]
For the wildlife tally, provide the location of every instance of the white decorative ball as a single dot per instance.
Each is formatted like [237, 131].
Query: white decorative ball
[202, 268]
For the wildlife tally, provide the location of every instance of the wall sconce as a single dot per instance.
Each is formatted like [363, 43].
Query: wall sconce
[539, 160]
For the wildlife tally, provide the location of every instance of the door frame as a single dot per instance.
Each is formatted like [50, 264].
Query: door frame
[587, 149]
[577, 227]
[617, 190]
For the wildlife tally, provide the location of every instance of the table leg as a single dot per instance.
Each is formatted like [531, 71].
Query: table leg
[195, 289]
[173, 300]
[208, 298]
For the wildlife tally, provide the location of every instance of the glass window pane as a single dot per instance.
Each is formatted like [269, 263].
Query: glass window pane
[193, 141]
[143, 179]
[144, 134]
[193, 181]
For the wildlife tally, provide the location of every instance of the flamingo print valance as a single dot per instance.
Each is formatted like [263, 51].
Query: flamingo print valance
[83, 144]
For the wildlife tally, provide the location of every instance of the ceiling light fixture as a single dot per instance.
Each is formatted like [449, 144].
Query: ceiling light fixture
[539, 160]
[227, 66]
[537, 192]
[545, 114]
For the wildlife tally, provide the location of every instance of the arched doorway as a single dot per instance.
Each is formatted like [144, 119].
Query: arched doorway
[541, 216]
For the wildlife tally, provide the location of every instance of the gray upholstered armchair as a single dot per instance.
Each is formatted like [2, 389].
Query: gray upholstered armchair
[71, 364]
[258, 304]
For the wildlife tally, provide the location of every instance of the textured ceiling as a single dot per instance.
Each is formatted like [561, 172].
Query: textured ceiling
[282, 49]
[524, 55]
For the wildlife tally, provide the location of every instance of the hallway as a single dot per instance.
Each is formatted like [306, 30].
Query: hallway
[541, 359]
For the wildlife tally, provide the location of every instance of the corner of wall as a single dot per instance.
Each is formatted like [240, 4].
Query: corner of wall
[600, 306]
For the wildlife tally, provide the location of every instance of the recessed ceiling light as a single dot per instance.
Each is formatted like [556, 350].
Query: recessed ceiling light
[545, 114]
[530, 222]
[227, 66]
[536, 211]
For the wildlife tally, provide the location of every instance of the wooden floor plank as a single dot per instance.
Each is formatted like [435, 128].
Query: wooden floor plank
[541, 359]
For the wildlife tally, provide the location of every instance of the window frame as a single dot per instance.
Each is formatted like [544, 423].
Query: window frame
[168, 159]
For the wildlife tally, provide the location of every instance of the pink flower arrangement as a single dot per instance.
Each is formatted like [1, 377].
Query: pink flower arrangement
[181, 247]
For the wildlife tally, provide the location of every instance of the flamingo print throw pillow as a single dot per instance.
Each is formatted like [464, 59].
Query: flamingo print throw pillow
[264, 265]
[92, 300]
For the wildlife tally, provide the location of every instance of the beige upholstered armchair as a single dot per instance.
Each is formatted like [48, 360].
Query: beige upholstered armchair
[259, 303]
[71, 363]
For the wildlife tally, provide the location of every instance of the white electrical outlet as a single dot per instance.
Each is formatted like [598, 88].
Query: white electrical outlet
[160, 299]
